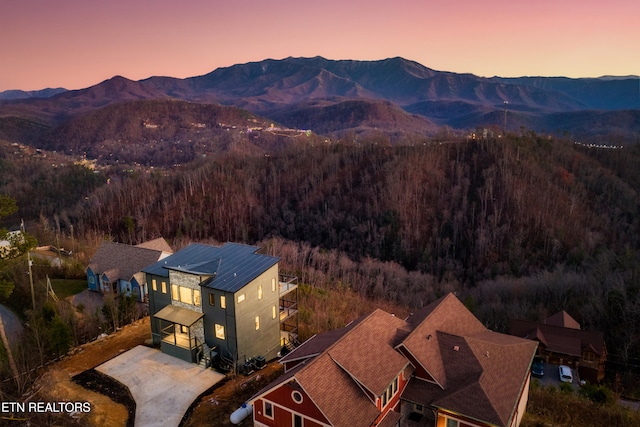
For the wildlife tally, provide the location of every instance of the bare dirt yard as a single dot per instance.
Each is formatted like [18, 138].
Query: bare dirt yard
[56, 384]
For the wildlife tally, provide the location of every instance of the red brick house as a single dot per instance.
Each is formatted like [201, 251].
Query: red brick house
[561, 341]
[439, 367]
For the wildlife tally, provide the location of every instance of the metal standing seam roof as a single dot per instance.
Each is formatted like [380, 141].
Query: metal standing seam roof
[231, 266]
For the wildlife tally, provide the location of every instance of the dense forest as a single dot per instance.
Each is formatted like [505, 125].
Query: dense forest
[518, 227]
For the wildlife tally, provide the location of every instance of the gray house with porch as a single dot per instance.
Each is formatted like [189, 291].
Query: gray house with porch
[227, 303]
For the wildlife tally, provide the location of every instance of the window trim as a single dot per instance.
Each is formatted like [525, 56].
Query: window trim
[219, 331]
[295, 393]
[267, 407]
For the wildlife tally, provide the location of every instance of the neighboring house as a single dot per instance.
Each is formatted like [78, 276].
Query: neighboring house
[210, 304]
[563, 342]
[7, 250]
[439, 367]
[117, 267]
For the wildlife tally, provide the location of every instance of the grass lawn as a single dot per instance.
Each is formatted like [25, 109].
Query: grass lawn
[66, 287]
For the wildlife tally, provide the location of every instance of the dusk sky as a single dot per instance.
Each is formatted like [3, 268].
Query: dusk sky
[79, 43]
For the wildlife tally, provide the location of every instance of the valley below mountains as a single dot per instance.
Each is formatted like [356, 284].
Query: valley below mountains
[394, 101]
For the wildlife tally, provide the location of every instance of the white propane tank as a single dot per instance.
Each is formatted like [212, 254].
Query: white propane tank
[241, 413]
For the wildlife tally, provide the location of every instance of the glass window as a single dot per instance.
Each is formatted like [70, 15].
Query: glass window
[296, 396]
[268, 410]
[196, 297]
[175, 295]
[219, 331]
[274, 312]
[241, 298]
[297, 420]
[273, 285]
[223, 301]
[212, 299]
[186, 295]
[257, 322]
[154, 285]
[164, 287]
[452, 423]
[259, 291]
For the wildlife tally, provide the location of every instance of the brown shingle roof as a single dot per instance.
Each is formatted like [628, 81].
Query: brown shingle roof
[367, 352]
[481, 374]
[333, 391]
[158, 244]
[351, 361]
[558, 339]
[446, 314]
[562, 319]
[318, 343]
[121, 261]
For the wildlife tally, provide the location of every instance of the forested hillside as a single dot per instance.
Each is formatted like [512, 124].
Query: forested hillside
[470, 210]
[519, 227]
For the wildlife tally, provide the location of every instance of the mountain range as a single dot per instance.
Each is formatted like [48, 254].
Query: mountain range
[391, 96]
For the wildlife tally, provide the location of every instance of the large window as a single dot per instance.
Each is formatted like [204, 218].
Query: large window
[185, 295]
[219, 331]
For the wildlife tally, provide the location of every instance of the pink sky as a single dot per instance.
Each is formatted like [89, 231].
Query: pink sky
[79, 43]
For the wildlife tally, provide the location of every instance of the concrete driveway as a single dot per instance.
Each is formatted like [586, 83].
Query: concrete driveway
[162, 386]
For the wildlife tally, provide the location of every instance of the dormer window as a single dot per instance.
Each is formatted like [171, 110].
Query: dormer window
[388, 394]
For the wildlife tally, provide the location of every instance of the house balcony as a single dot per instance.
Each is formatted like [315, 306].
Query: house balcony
[287, 284]
[287, 309]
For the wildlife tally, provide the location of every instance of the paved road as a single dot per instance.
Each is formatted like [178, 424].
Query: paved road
[12, 325]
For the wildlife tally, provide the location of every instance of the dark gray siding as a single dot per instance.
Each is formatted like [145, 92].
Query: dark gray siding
[157, 301]
[266, 340]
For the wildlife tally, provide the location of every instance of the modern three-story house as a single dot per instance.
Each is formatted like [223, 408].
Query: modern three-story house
[226, 302]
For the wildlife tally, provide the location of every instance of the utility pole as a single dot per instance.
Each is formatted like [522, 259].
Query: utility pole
[33, 295]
